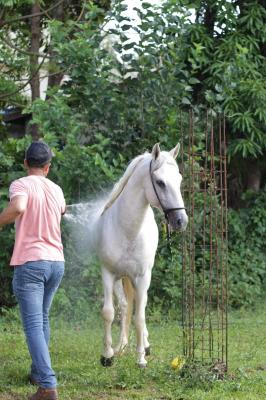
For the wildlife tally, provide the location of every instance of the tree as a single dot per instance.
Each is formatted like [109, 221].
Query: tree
[26, 43]
[225, 50]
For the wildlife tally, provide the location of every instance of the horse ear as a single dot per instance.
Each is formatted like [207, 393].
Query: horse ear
[156, 151]
[174, 152]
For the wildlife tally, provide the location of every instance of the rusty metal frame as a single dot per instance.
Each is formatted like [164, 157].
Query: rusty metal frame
[204, 244]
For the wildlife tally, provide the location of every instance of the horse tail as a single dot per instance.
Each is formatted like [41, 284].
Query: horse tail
[130, 294]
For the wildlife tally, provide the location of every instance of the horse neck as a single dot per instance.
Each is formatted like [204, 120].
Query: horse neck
[132, 205]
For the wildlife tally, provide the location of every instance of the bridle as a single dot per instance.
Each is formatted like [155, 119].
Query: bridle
[166, 211]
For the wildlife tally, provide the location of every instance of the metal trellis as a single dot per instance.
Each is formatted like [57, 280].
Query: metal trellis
[204, 245]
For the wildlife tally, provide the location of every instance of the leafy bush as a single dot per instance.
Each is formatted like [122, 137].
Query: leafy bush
[247, 250]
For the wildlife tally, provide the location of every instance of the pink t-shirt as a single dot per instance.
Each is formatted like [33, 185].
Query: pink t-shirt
[38, 235]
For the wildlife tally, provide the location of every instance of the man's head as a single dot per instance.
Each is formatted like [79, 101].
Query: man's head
[38, 156]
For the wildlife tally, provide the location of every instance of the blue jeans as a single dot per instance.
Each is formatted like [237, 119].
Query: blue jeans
[34, 285]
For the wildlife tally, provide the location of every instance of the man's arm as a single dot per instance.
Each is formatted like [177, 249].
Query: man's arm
[16, 207]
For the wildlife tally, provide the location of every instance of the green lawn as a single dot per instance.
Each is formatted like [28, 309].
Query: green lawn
[76, 351]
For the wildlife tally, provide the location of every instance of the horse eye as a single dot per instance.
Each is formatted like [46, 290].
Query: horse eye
[161, 184]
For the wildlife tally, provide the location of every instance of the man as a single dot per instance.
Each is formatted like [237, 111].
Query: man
[36, 205]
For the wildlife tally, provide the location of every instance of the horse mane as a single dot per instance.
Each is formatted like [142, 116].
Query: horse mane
[119, 186]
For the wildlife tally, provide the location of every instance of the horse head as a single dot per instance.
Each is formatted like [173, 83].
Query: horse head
[164, 190]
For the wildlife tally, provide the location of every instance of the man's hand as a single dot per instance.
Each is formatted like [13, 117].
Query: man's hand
[16, 207]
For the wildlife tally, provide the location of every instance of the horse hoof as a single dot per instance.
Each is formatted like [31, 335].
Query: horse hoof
[142, 365]
[147, 351]
[107, 362]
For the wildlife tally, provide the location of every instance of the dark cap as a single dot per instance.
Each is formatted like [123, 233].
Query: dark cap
[38, 154]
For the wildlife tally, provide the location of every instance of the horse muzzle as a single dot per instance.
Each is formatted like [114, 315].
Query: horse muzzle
[178, 220]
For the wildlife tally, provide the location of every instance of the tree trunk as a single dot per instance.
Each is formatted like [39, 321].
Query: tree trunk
[253, 176]
[210, 17]
[35, 48]
[54, 78]
[35, 41]
[263, 44]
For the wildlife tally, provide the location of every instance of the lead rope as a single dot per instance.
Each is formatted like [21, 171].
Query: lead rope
[169, 242]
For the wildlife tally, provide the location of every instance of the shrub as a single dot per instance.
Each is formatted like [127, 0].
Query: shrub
[247, 250]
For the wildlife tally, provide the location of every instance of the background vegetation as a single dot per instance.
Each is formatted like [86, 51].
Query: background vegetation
[104, 106]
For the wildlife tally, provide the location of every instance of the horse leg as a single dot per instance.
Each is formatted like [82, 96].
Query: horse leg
[125, 294]
[142, 286]
[122, 303]
[108, 316]
[146, 342]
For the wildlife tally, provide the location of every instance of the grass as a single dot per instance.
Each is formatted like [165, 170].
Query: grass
[76, 350]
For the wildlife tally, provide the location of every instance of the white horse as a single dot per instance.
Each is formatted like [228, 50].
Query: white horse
[126, 238]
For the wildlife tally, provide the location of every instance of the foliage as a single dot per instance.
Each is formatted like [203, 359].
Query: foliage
[194, 373]
[246, 258]
[27, 53]
[127, 100]
[231, 59]
[190, 52]
[225, 50]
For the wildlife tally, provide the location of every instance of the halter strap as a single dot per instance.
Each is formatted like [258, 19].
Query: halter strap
[166, 211]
